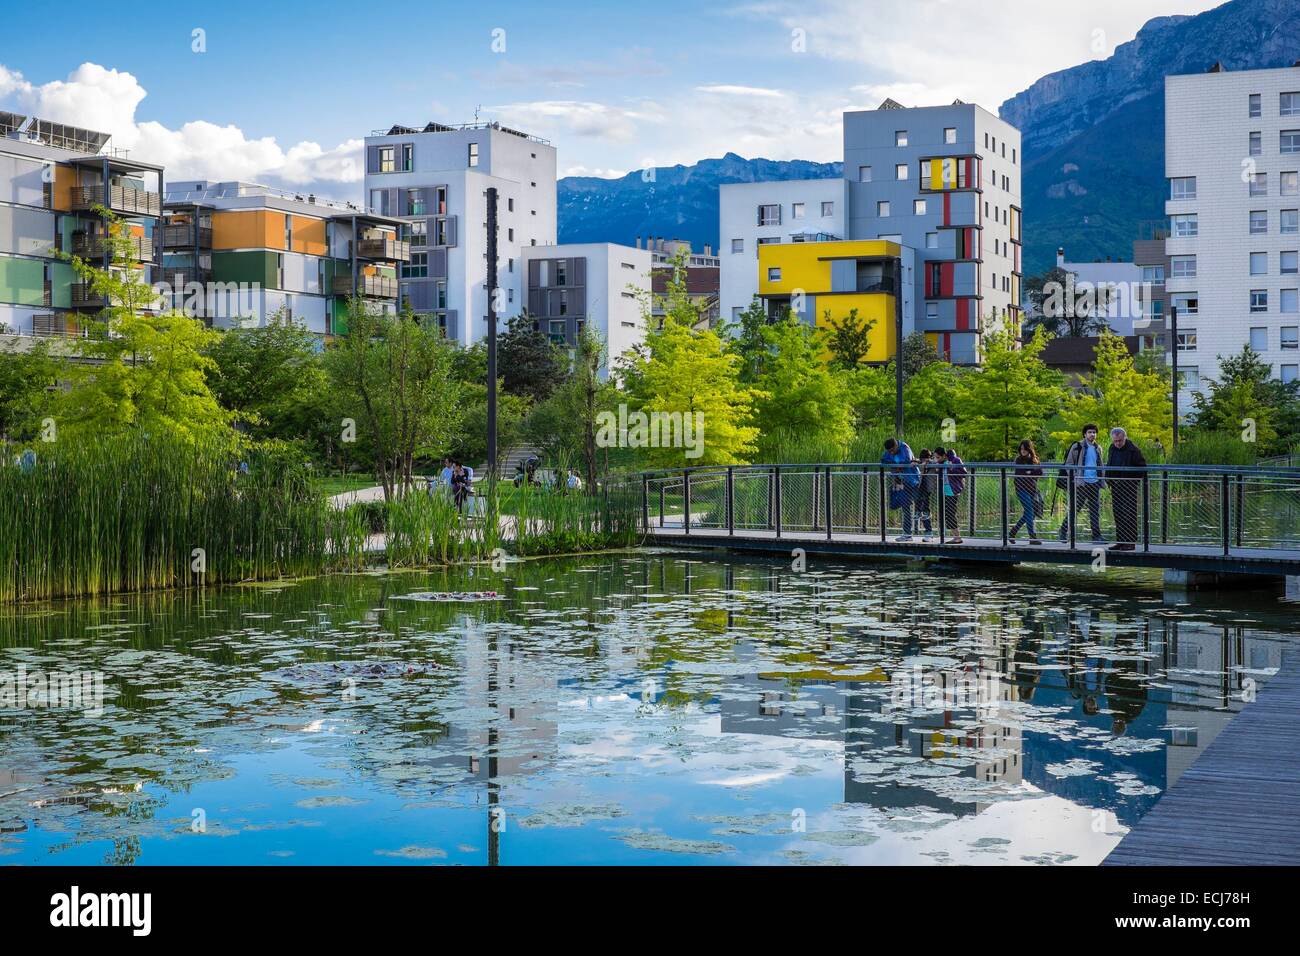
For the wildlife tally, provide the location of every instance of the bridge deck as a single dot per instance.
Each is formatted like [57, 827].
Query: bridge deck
[1242, 560]
[1237, 805]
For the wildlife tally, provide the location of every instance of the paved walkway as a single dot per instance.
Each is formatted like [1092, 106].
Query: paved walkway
[1239, 803]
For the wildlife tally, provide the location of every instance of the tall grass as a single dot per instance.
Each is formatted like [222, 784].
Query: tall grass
[547, 521]
[133, 513]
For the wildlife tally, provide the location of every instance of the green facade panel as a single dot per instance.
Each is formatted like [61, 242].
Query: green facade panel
[22, 281]
[249, 267]
[61, 278]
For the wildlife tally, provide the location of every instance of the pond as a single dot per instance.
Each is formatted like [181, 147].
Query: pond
[638, 708]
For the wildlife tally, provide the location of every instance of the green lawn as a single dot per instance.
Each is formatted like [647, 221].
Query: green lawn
[338, 484]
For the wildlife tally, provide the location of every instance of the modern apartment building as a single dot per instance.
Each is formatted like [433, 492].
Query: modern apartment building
[1150, 257]
[241, 253]
[435, 180]
[52, 177]
[944, 181]
[941, 181]
[751, 215]
[1108, 291]
[596, 285]
[1232, 158]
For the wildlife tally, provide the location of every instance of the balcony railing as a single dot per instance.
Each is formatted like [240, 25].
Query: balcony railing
[93, 246]
[392, 250]
[180, 279]
[56, 324]
[123, 199]
[182, 236]
[379, 287]
[84, 297]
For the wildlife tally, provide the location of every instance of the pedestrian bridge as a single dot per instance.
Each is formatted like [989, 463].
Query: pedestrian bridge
[1184, 518]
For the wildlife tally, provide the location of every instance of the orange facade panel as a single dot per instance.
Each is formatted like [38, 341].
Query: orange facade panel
[309, 236]
[252, 229]
[65, 177]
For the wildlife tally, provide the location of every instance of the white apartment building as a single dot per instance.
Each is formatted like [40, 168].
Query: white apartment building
[596, 285]
[751, 214]
[435, 178]
[1232, 158]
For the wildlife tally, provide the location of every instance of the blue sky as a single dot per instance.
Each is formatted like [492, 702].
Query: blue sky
[284, 91]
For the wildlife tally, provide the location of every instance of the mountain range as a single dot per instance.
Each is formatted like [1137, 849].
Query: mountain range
[1093, 178]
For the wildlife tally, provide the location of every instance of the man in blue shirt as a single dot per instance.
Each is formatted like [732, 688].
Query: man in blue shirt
[1086, 455]
[904, 481]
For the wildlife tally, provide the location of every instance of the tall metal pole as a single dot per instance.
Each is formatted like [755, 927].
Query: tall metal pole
[898, 347]
[492, 337]
[1173, 345]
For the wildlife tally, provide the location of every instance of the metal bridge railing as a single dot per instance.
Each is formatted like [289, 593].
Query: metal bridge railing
[1223, 509]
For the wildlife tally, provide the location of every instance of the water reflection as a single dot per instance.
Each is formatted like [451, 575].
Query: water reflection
[633, 708]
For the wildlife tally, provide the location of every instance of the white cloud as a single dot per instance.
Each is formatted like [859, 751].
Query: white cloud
[739, 90]
[939, 50]
[557, 118]
[107, 100]
[597, 172]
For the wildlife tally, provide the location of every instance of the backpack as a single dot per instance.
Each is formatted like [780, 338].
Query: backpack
[1063, 478]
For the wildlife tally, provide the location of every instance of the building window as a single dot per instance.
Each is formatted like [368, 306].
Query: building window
[864, 174]
[408, 157]
[1258, 222]
[882, 209]
[1183, 187]
[932, 311]
[932, 240]
[1255, 144]
[1187, 304]
[1191, 377]
[473, 154]
[1153, 274]
[1289, 304]
[1259, 263]
[1187, 340]
[561, 272]
[796, 210]
[1288, 104]
[387, 163]
[1254, 107]
[1289, 141]
[1258, 184]
[900, 171]
[1289, 373]
[1259, 339]
[918, 207]
[774, 274]
[1258, 300]
[769, 215]
[1288, 263]
[950, 134]
[1182, 267]
[1290, 339]
[1184, 226]
[1290, 222]
[1288, 183]
[737, 245]
[900, 137]
[415, 202]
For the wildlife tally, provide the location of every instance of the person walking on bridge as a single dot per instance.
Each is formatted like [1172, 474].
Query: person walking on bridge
[905, 481]
[1027, 473]
[1123, 484]
[953, 470]
[1083, 461]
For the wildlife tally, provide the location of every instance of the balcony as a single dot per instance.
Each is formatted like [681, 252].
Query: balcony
[120, 199]
[182, 278]
[377, 287]
[89, 246]
[390, 250]
[84, 297]
[187, 236]
[56, 325]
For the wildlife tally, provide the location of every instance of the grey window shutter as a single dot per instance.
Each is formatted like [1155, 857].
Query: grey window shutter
[451, 230]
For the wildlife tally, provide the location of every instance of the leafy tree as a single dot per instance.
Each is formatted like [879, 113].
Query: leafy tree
[530, 365]
[918, 354]
[143, 371]
[27, 377]
[680, 369]
[747, 341]
[1246, 401]
[1056, 308]
[271, 376]
[848, 340]
[798, 394]
[393, 378]
[1010, 398]
[1118, 393]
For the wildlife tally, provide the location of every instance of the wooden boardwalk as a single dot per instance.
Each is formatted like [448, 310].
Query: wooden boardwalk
[1239, 803]
[1273, 562]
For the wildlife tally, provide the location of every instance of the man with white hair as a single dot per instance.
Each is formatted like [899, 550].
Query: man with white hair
[1124, 484]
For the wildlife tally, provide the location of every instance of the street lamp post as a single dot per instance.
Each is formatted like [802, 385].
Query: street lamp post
[898, 347]
[491, 337]
[1173, 345]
